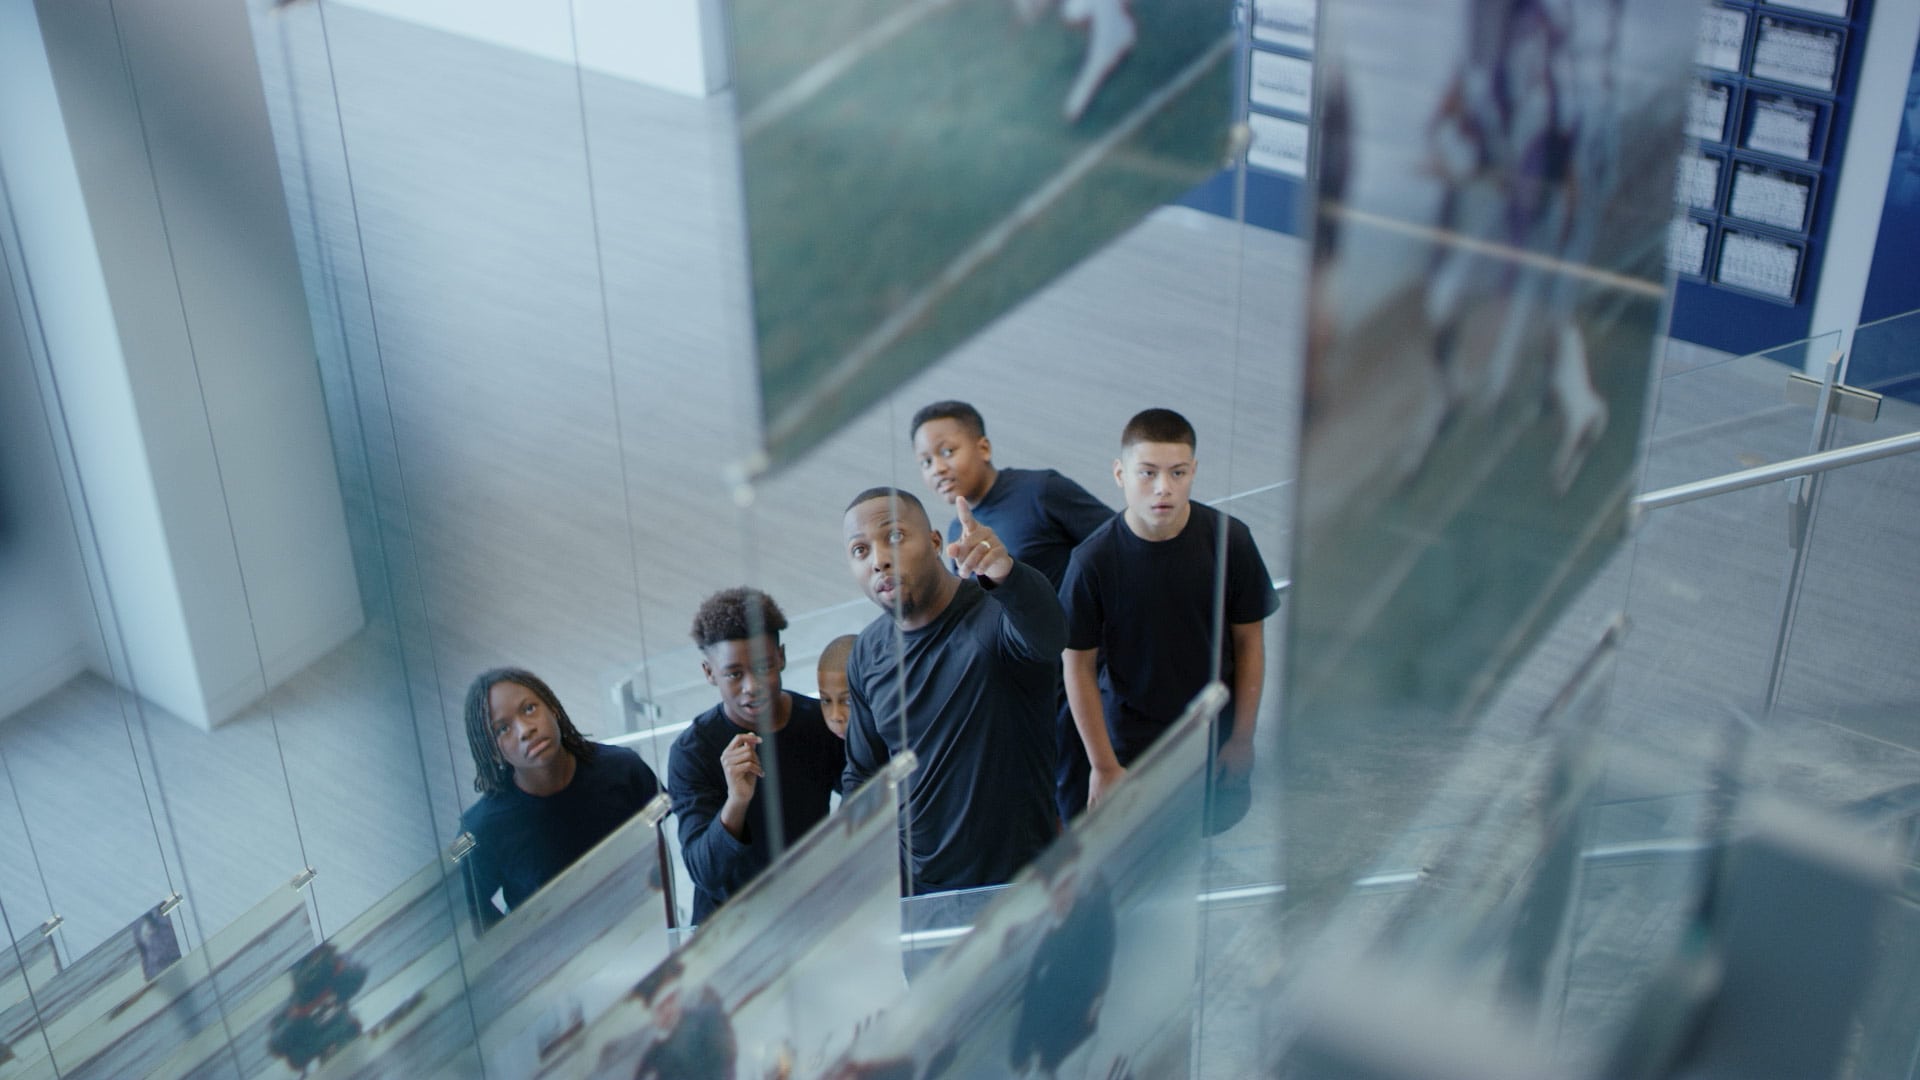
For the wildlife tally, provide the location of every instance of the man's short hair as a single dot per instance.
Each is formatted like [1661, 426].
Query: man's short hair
[1158, 426]
[966, 415]
[837, 651]
[739, 614]
[873, 493]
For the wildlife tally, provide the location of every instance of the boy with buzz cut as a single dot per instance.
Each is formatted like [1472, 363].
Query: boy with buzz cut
[836, 698]
[717, 773]
[1039, 514]
[1142, 588]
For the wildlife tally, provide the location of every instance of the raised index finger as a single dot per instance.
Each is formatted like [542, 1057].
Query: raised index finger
[961, 507]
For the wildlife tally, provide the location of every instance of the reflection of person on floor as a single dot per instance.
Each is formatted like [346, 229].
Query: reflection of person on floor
[689, 1042]
[1142, 589]
[1040, 515]
[719, 763]
[1067, 980]
[964, 672]
[547, 795]
[316, 1021]
[836, 702]
[1110, 36]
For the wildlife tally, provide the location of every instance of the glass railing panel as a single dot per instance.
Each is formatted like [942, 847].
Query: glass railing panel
[140, 1029]
[776, 982]
[1084, 966]
[555, 962]
[1733, 414]
[1845, 729]
[321, 1001]
[1886, 357]
[25, 964]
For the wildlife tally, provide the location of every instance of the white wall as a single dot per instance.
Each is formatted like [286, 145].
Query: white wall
[677, 45]
[154, 233]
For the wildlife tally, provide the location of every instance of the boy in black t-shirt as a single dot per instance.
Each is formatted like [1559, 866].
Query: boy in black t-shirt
[716, 770]
[1039, 514]
[1142, 588]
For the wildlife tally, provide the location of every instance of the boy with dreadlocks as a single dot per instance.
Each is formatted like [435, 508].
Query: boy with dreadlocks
[547, 795]
[718, 774]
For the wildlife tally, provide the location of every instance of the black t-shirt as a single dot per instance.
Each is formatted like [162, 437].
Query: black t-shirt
[523, 841]
[1040, 515]
[1149, 604]
[981, 683]
[807, 758]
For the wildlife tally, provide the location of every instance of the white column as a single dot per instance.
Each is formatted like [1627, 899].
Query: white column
[154, 235]
[1879, 102]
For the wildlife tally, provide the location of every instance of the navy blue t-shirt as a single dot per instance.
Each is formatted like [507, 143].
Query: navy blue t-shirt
[981, 682]
[523, 841]
[805, 755]
[1040, 515]
[1149, 604]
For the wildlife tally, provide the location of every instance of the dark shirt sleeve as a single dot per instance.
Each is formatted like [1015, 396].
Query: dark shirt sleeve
[1251, 596]
[1073, 508]
[716, 860]
[1032, 627]
[1080, 603]
[866, 751]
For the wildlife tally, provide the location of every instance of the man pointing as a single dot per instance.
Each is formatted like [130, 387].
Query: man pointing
[963, 671]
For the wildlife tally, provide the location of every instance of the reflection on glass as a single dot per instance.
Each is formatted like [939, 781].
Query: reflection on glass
[132, 1031]
[777, 981]
[1479, 333]
[1084, 966]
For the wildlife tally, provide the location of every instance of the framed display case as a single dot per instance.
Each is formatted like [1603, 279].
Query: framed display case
[1759, 265]
[1769, 196]
[1785, 126]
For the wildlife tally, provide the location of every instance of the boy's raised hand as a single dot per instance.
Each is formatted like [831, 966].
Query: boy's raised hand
[978, 552]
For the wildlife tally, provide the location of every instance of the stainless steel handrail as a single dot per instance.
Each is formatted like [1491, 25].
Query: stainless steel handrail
[1780, 470]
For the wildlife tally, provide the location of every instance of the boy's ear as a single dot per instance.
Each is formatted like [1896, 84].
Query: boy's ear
[1119, 474]
[707, 670]
[986, 448]
[780, 654]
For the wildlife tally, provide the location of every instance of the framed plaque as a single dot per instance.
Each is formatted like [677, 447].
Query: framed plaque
[1770, 196]
[1287, 23]
[1759, 264]
[1687, 247]
[1709, 104]
[1798, 54]
[1835, 8]
[1284, 83]
[1784, 126]
[1279, 145]
[1697, 182]
[1723, 38]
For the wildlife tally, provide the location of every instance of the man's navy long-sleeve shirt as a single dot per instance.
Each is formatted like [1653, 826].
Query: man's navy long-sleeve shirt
[980, 684]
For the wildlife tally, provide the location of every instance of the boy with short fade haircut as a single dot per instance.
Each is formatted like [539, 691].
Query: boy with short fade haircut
[836, 698]
[1039, 514]
[718, 769]
[1142, 588]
